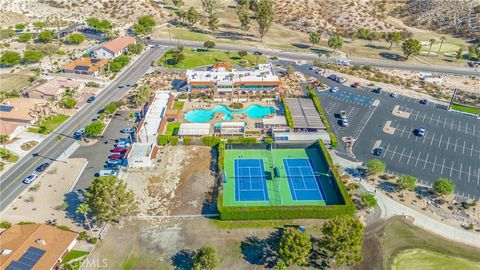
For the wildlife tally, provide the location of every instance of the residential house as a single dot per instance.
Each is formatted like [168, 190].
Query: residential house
[234, 84]
[85, 66]
[54, 88]
[34, 246]
[16, 114]
[114, 47]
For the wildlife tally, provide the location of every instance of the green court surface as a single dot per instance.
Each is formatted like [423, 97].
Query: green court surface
[277, 182]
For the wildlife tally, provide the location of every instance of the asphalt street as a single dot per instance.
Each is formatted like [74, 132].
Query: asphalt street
[450, 148]
[310, 57]
[57, 142]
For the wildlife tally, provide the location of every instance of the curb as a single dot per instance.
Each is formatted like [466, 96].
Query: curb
[78, 176]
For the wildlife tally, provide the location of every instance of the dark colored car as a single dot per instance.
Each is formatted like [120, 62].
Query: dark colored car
[424, 101]
[355, 85]
[119, 150]
[378, 151]
[42, 167]
[116, 156]
[90, 99]
[377, 90]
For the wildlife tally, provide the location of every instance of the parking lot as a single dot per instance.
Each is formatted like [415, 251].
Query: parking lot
[450, 147]
[98, 153]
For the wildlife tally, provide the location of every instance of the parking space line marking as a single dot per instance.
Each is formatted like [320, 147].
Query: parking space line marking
[416, 138]
[410, 133]
[478, 177]
[433, 138]
[466, 128]
[418, 158]
[458, 129]
[455, 149]
[451, 169]
[394, 151]
[424, 138]
[438, 120]
[443, 166]
[426, 161]
[440, 141]
[416, 115]
[434, 163]
[451, 126]
[424, 114]
[471, 151]
[473, 133]
[463, 151]
[429, 122]
[448, 143]
[401, 155]
[408, 161]
[460, 172]
[444, 122]
[469, 170]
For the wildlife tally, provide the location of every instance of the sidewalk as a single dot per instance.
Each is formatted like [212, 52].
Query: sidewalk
[390, 208]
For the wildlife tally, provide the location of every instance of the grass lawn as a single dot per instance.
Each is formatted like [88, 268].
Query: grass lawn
[223, 224]
[12, 81]
[467, 109]
[172, 128]
[51, 122]
[197, 58]
[8, 156]
[178, 105]
[398, 236]
[412, 259]
[72, 255]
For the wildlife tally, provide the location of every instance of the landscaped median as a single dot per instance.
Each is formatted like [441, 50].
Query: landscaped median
[316, 101]
[465, 109]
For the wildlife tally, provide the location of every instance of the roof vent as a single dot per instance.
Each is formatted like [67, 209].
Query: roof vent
[41, 242]
[6, 252]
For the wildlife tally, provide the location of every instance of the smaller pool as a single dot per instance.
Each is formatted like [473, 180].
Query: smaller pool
[254, 111]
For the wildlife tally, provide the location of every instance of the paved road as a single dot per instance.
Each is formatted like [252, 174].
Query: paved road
[57, 142]
[310, 57]
[451, 147]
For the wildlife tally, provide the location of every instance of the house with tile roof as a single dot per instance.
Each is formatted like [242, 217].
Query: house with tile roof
[114, 47]
[85, 66]
[54, 88]
[34, 246]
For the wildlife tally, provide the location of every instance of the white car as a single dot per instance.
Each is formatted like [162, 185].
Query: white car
[394, 95]
[344, 123]
[334, 89]
[29, 179]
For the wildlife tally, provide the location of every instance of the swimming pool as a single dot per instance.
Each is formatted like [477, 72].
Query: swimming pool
[254, 111]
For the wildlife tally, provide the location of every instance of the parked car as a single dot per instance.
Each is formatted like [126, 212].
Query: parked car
[312, 67]
[394, 95]
[332, 77]
[424, 101]
[319, 71]
[111, 166]
[113, 162]
[341, 80]
[128, 130]
[344, 123]
[377, 90]
[120, 86]
[79, 132]
[119, 150]
[42, 167]
[378, 151]
[29, 179]
[355, 85]
[421, 132]
[116, 156]
[334, 89]
[343, 114]
[107, 172]
[123, 140]
[90, 99]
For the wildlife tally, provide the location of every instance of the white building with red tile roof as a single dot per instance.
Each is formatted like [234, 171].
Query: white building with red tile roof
[114, 47]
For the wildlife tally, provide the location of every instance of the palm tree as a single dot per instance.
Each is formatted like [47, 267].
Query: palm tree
[441, 43]
[83, 209]
[432, 40]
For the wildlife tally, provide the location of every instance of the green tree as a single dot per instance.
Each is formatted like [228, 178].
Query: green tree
[10, 58]
[374, 36]
[281, 265]
[211, 6]
[94, 129]
[76, 38]
[459, 54]
[109, 199]
[142, 95]
[295, 247]
[242, 54]
[25, 37]
[335, 42]
[411, 47]
[83, 210]
[264, 15]
[20, 26]
[177, 55]
[68, 102]
[45, 36]
[342, 240]
[139, 29]
[3, 138]
[111, 107]
[39, 24]
[472, 53]
[49, 50]
[393, 38]
[178, 3]
[102, 26]
[147, 21]
[213, 22]
[369, 200]
[431, 42]
[243, 13]
[209, 44]
[444, 186]
[363, 33]
[206, 258]
[136, 48]
[32, 56]
[192, 16]
[375, 166]
[314, 38]
[442, 39]
[406, 182]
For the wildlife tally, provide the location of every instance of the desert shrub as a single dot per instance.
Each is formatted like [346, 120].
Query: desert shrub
[5, 224]
[82, 236]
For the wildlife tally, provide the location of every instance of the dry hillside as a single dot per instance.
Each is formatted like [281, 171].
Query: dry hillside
[121, 12]
[332, 15]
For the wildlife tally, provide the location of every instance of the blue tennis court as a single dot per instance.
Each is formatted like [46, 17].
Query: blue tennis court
[250, 180]
[303, 182]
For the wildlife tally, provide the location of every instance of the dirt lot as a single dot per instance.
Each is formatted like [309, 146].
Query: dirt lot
[181, 182]
[44, 199]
